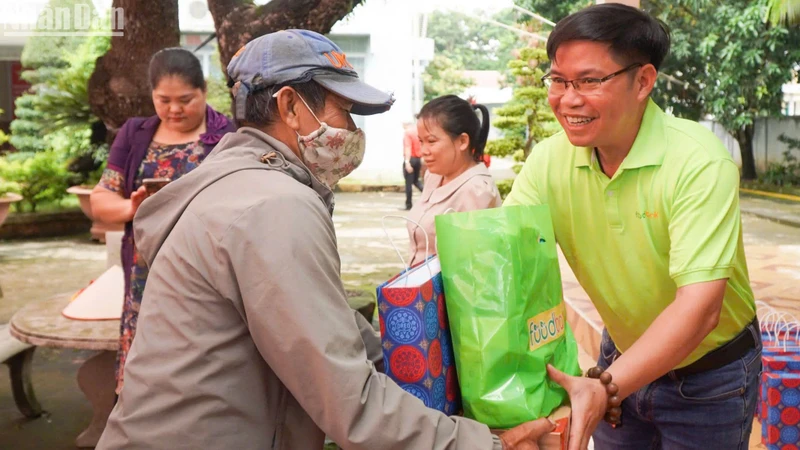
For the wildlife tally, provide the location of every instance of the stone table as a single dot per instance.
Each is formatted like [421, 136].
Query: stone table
[42, 324]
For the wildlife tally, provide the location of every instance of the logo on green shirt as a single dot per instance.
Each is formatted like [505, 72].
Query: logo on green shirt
[647, 215]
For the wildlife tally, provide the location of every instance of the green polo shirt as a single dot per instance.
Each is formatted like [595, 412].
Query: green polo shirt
[668, 217]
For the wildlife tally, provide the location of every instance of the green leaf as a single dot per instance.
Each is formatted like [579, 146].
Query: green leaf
[526, 118]
[784, 12]
[41, 177]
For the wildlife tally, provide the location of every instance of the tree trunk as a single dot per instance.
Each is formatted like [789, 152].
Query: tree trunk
[529, 143]
[119, 87]
[239, 21]
[744, 136]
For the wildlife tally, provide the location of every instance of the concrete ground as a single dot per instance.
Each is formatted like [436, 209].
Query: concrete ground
[785, 212]
[35, 270]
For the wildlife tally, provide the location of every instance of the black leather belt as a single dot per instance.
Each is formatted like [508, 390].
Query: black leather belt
[729, 352]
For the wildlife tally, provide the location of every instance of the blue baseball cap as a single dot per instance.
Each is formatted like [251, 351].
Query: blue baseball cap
[297, 56]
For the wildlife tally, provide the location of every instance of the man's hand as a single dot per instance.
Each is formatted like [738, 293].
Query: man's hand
[137, 197]
[527, 435]
[589, 404]
[409, 169]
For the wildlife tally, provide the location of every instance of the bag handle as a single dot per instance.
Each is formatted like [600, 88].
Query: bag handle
[784, 323]
[778, 322]
[766, 323]
[783, 320]
[788, 325]
[765, 329]
[786, 341]
[406, 266]
[788, 336]
[776, 318]
[763, 310]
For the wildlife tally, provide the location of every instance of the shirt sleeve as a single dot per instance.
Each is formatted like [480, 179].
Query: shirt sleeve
[118, 154]
[705, 223]
[408, 146]
[112, 180]
[287, 270]
[525, 190]
[479, 193]
[372, 341]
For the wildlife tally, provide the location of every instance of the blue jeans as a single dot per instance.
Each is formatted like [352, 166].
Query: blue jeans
[705, 411]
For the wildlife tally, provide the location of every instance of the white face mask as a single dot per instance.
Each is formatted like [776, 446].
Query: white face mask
[331, 153]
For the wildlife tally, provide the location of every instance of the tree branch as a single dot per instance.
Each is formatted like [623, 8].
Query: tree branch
[220, 8]
[240, 21]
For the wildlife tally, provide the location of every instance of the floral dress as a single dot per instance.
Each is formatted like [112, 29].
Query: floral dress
[161, 161]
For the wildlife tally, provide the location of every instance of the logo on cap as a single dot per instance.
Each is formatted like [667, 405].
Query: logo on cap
[239, 52]
[339, 60]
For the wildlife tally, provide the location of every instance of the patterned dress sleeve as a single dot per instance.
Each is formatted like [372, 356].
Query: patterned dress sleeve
[113, 177]
[112, 180]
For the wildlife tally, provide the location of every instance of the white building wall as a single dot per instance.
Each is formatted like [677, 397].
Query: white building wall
[767, 147]
[388, 67]
[387, 26]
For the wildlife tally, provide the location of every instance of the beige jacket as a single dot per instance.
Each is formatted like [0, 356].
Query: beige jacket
[473, 189]
[245, 339]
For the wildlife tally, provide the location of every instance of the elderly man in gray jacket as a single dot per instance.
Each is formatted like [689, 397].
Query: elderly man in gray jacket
[245, 339]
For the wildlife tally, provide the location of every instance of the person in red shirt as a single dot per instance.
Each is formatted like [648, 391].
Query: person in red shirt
[412, 152]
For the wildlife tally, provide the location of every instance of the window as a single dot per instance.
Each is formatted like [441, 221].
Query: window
[206, 54]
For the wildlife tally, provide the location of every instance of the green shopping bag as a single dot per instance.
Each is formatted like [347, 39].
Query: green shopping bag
[506, 311]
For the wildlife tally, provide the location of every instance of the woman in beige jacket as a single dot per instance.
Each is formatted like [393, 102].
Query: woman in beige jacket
[453, 139]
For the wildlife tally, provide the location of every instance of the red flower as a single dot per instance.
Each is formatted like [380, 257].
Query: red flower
[164, 170]
[336, 140]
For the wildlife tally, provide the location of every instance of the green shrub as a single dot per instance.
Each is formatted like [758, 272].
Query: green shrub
[7, 187]
[218, 95]
[3, 135]
[26, 129]
[787, 172]
[41, 177]
[526, 119]
[504, 186]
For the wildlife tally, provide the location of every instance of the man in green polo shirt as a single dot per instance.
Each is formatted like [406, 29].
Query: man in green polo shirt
[646, 210]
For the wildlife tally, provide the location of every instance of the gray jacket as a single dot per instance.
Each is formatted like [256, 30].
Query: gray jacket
[245, 339]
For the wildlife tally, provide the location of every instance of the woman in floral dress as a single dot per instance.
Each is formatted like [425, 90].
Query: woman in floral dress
[167, 145]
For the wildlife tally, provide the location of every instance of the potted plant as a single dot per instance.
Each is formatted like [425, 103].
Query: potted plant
[8, 195]
[9, 191]
[39, 178]
[99, 228]
[84, 190]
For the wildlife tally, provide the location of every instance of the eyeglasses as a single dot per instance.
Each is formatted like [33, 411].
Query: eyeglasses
[585, 86]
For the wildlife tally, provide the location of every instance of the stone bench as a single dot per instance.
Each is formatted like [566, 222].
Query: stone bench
[42, 324]
[18, 356]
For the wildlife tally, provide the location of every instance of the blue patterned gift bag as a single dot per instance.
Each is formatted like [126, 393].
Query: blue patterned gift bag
[781, 421]
[417, 349]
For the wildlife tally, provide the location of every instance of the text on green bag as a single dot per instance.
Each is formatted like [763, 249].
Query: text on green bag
[546, 327]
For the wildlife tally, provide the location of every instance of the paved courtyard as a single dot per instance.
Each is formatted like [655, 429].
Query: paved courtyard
[36, 270]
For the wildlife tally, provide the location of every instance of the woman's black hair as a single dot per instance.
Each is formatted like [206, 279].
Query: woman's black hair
[457, 116]
[176, 61]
